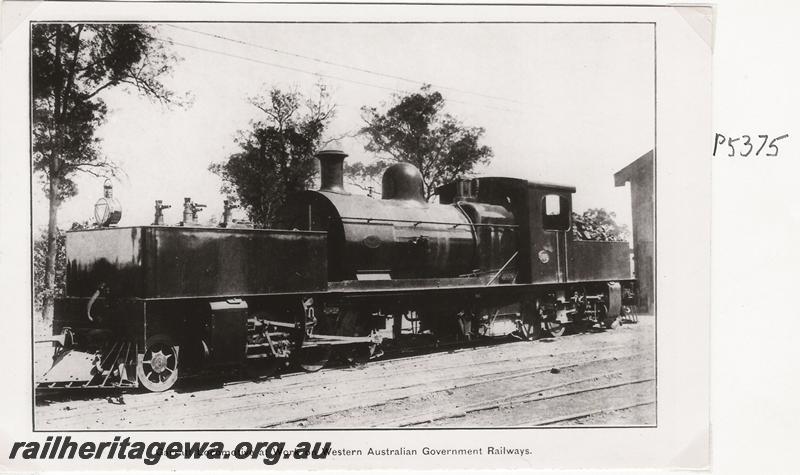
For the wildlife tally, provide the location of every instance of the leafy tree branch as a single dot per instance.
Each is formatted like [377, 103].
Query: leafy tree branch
[415, 129]
[72, 64]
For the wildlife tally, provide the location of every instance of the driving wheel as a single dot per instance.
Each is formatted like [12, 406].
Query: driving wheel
[609, 322]
[554, 328]
[157, 367]
[314, 358]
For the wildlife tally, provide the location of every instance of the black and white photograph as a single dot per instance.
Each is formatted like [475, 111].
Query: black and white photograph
[266, 225]
[356, 235]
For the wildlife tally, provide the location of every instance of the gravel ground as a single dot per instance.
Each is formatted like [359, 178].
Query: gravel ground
[595, 378]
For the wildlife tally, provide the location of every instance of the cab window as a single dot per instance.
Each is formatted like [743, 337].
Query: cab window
[555, 213]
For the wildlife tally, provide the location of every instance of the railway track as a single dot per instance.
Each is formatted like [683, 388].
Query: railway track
[586, 414]
[475, 357]
[472, 386]
[443, 404]
[380, 387]
[299, 380]
[448, 384]
[510, 400]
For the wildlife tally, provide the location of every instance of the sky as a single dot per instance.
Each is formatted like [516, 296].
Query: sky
[560, 103]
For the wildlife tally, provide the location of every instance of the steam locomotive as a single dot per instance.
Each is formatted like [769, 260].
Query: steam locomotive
[349, 275]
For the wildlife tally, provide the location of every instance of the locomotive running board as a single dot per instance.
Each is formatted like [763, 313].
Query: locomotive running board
[74, 369]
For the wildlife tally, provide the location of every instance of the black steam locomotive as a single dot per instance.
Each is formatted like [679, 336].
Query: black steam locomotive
[350, 275]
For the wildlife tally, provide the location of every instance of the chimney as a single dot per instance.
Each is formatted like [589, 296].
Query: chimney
[331, 168]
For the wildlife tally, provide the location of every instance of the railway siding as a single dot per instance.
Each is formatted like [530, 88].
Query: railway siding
[575, 379]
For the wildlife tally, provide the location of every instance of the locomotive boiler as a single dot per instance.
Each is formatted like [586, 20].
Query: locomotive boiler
[400, 236]
[349, 275]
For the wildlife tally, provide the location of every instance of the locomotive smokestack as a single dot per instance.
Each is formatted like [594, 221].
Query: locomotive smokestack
[331, 167]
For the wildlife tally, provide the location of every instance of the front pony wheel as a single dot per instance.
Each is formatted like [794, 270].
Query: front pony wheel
[157, 367]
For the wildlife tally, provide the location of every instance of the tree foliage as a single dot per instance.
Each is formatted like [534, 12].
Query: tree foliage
[415, 129]
[276, 156]
[41, 292]
[597, 224]
[71, 66]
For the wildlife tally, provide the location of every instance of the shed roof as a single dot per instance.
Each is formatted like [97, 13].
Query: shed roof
[633, 169]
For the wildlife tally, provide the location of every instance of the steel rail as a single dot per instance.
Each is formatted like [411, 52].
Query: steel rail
[505, 376]
[582, 415]
[410, 364]
[518, 398]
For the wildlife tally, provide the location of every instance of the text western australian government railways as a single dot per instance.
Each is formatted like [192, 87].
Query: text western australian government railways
[430, 451]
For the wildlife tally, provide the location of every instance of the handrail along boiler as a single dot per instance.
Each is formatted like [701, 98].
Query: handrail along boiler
[348, 275]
